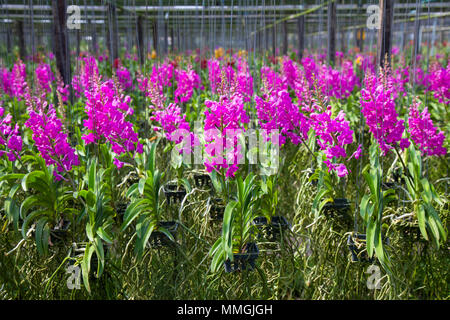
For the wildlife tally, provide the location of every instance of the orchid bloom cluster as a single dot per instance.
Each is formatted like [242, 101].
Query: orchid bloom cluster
[176, 127]
[214, 74]
[13, 83]
[124, 78]
[310, 68]
[338, 83]
[277, 112]
[332, 136]
[10, 137]
[88, 72]
[62, 89]
[152, 91]
[400, 80]
[366, 63]
[244, 80]
[5, 81]
[423, 132]
[107, 110]
[378, 108]
[290, 71]
[439, 82]
[186, 81]
[44, 77]
[272, 80]
[49, 137]
[224, 123]
[227, 79]
[162, 75]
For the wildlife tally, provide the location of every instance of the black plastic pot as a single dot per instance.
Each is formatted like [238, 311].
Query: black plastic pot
[217, 209]
[274, 230]
[279, 226]
[262, 226]
[243, 261]
[358, 254]
[174, 193]
[338, 208]
[202, 180]
[60, 231]
[338, 204]
[159, 239]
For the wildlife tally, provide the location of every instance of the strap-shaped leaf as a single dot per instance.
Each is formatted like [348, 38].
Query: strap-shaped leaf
[86, 265]
[30, 218]
[105, 235]
[371, 235]
[11, 176]
[422, 221]
[42, 236]
[227, 229]
[29, 177]
[167, 233]
[363, 207]
[132, 212]
[132, 190]
[98, 244]
[435, 216]
[146, 229]
[218, 258]
[12, 211]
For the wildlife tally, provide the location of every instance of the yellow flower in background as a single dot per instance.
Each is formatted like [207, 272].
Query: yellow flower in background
[360, 35]
[153, 56]
[242, 53]
[218, 52]
[359, 60]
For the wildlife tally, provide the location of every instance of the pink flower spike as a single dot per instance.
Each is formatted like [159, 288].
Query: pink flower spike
[119, 164]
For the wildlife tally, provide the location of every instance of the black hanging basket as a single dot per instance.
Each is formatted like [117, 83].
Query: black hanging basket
[271, 231]
[338, 210]
[174, 193]
[202, 180]
[357, 245]
[159, 239]
[60, 232]
[338, 206]
[279, 226]
[217, 209]
[243, 261]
